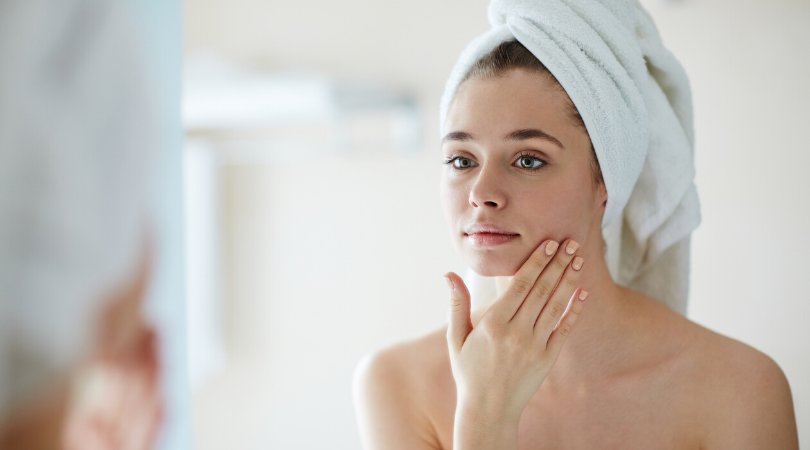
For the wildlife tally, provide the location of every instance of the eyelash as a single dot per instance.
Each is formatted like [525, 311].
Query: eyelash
[449, 161]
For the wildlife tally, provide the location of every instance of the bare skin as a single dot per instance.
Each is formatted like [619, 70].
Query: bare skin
[631, 374]
[725, 396]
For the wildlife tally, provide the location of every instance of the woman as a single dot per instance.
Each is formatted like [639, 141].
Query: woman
[569, 180]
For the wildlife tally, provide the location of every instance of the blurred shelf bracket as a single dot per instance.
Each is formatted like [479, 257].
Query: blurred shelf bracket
[255, 117]
[204, 309]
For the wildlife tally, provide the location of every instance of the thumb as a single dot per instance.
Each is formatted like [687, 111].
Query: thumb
[460, 324]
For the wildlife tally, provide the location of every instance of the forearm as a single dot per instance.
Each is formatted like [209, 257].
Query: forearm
[477, 429]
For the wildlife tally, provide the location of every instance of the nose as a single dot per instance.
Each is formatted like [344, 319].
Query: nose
[487, 190]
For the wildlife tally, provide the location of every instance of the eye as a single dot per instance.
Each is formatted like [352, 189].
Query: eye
[530, 162]
[460, 162]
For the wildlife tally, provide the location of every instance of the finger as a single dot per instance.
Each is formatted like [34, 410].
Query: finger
[561, 333]
[121, 321]
[504, 309]
[136, 431]
[552, 312]
[546, 283]
[148, 356]
[460, 324]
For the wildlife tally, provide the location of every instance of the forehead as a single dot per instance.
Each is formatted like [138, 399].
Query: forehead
[516, 100]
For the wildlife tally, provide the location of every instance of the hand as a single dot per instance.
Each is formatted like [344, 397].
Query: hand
[112, 400]
[115, 401]
[500, 365]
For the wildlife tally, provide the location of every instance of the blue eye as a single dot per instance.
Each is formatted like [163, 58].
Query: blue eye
[460, 162]
[530, 162]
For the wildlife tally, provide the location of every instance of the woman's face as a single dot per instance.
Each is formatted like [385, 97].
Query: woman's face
[518, 171]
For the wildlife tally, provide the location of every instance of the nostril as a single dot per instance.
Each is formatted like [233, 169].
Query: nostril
[491, 204]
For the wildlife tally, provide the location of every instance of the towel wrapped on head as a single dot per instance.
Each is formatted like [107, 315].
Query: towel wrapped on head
[635, 100]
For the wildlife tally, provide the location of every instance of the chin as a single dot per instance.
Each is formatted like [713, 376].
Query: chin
[489, 265]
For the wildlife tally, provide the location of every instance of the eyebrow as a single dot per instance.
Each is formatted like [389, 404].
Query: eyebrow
[459, 136]
[532, 133]
[517, 135]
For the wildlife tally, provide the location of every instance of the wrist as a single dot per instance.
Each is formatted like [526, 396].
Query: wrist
[484, 426]
[483, 415]
[486, 408]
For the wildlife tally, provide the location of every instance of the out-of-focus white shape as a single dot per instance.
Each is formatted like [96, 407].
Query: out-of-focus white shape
[217, 95]
[265, 117]
[76, 138]
[206, 353]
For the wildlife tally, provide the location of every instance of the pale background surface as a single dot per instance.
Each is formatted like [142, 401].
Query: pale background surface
[326, 259]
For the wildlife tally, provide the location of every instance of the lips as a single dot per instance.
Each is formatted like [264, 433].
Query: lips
[488, 235]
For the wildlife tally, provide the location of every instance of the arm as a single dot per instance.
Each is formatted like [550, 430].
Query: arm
[388, 412]
[758, 409]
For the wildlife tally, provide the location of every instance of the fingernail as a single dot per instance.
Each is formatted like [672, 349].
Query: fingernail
[551, 247]
[450, 284]
[577, 264]
[571, 247]
[583, 295]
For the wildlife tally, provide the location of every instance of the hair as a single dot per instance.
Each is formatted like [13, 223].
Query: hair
[512, 55]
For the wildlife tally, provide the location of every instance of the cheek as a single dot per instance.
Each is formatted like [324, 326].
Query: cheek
[454, 196]
[558, 211]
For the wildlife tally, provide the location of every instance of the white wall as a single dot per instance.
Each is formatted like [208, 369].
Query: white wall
[327, 259]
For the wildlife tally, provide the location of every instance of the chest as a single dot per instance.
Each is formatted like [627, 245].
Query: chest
[634, 416]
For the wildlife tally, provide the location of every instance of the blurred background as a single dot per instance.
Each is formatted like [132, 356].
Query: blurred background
[313, 230]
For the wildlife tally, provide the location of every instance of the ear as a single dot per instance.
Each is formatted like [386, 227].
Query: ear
[600, 195]
[602, 190]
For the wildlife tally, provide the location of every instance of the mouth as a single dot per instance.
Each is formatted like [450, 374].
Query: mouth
[487, 235]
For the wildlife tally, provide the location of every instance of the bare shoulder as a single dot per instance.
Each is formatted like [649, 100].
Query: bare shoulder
[394, 390]
[742, 393]
[753, 406]
[414, 364]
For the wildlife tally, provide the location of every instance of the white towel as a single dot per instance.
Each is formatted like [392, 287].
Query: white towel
[635, 100]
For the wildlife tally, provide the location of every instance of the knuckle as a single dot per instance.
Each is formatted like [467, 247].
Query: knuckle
[556, 310]
[559, 263]
[521, 285]
[538, 262]
[456, 304]
[565, 329]
[515, 341]
[541, 291]
[570, 280]
[492, 330]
